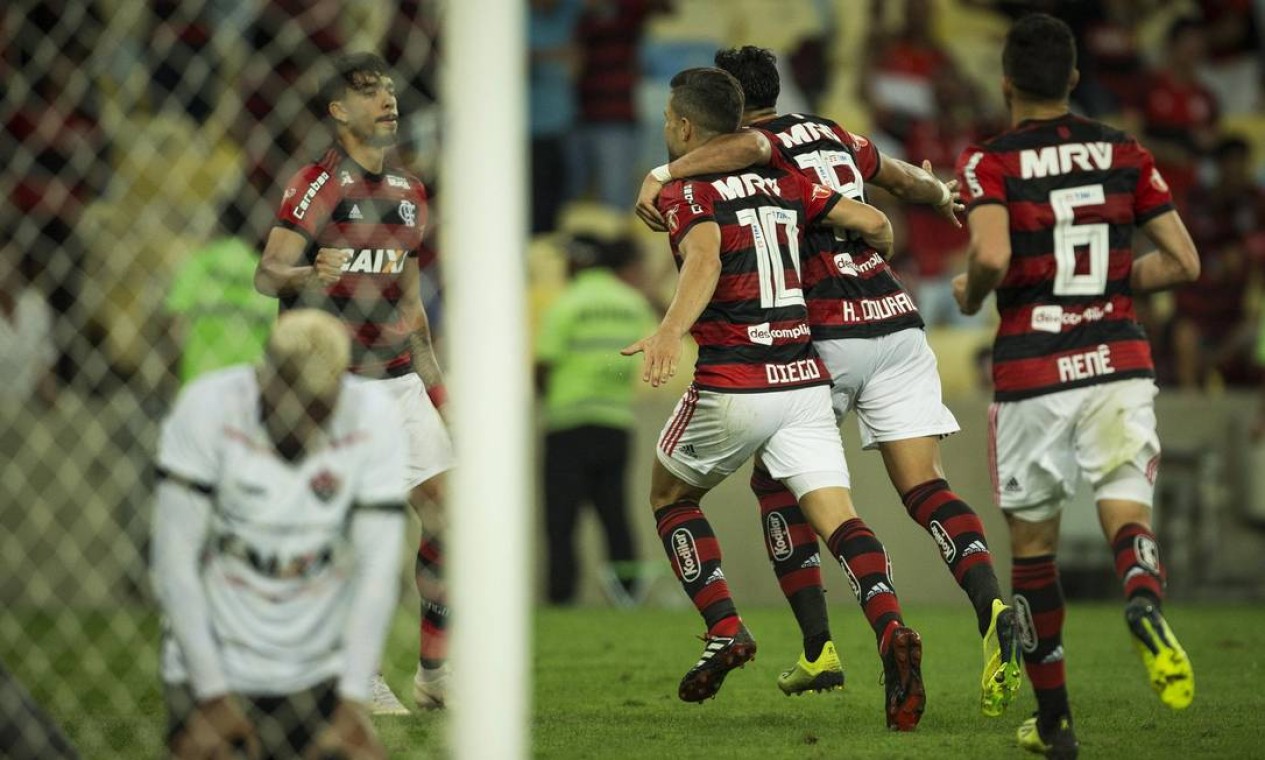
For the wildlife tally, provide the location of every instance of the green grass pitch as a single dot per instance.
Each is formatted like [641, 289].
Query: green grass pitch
[605, 687]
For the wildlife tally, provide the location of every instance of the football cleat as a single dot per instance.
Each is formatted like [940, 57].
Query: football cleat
[823, 674]
[1059, 743]
[902, 679]
[721, 654]
[382, 701]
[430, 687]
[1000, 682]
[1167, 666]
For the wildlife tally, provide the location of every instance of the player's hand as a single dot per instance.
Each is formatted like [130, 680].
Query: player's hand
[328, 267]
[348, 736]
[663, 352]
[216, 730]
[959, 295]
[952, 207]
[647, 210]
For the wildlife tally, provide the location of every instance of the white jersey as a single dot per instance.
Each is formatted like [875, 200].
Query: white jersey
[276, 559]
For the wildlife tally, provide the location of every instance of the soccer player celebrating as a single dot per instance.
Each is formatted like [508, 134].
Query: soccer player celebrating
[759, 388]
[346, 241]
[870, 336]
[276, 540]
[1053, 205]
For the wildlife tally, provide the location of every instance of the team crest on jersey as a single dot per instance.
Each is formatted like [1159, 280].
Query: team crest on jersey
[820, 192]
[408, 213]
[1157, 181]
[325, 485]
[673, 223]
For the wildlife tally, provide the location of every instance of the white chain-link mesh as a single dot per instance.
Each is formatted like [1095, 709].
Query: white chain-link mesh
[132, 130]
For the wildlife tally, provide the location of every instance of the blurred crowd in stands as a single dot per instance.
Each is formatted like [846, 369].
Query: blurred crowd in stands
[133, 125]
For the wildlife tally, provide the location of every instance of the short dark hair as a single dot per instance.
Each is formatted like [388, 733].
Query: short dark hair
[755, 68]
[710, 98]
[1232, 146]
[352, 71]
[1039, 57]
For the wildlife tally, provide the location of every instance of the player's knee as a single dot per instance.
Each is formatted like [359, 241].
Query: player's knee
[1029, 538]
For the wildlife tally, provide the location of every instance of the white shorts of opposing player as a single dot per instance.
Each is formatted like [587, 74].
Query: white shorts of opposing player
[710, 435]
[892, 382]
[1039, 447]
[430, 447]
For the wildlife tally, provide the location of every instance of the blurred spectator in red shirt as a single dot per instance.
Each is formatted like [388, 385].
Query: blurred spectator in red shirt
[936, 248]
[1179, 112]
[604, 150]
[1212, 327]
[1110, 62]
[900, 86]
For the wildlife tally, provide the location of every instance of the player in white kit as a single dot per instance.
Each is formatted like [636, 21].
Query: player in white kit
[277, 533]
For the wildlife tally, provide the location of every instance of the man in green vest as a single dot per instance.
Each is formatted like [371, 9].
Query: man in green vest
[587, 389]
[220, 318]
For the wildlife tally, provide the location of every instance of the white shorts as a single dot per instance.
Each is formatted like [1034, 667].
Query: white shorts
[1039, 447]
[430, 447]
[711, 435]
[892, 383]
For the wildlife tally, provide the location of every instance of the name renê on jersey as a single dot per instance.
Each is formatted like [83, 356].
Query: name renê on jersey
[792, 372]
[374, 260]
[1061, 159]
[806, 132]
[1085, 365]
[745, 185]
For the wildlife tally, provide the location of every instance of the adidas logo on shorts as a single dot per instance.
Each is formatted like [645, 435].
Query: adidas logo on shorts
[1012, 486]
[688, 450]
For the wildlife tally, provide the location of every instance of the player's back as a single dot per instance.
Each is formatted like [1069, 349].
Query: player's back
[851, 290]
[754, 334]
[1075, 190]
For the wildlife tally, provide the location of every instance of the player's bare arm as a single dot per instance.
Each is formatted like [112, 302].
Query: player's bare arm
[348, 734]
[871, 224]
[1174, 261]
[700, 273]
[421, 344]
[912, 184]
[988, 257]
[279, 272]
[725, 153]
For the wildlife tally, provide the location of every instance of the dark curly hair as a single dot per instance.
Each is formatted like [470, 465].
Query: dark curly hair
[755, 68]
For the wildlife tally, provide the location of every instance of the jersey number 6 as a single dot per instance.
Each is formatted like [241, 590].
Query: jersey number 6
[1069, 236]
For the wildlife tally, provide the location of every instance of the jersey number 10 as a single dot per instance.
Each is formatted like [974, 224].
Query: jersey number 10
[1069, 236]
[775, 292]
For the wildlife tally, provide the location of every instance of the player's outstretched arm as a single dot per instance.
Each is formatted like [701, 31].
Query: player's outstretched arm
[700, 273]
[871, 224]
[920, 185]
[1175, 260]
[725, 153]
[988, 256]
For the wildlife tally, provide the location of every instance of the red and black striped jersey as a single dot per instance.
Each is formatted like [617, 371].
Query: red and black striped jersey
[377, 218]
[851, 290]
[753, 335]
[1075, 190]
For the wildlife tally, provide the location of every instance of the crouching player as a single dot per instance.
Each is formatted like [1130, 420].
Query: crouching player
[276, 540]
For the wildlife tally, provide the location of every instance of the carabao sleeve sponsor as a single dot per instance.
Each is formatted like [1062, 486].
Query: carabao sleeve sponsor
[1151, 197]
[981, 178]
[685, 204]
[308, 201]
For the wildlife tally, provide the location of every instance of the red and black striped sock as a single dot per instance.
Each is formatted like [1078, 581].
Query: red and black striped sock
[1138, 562]
[792, 546]
[434, 604]
[1039, 608]
[959, 534]
[695, 556]
[864, 561]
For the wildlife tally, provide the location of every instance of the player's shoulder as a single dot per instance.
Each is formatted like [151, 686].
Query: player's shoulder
[315, 175]
[214, 396]
[689, 190]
